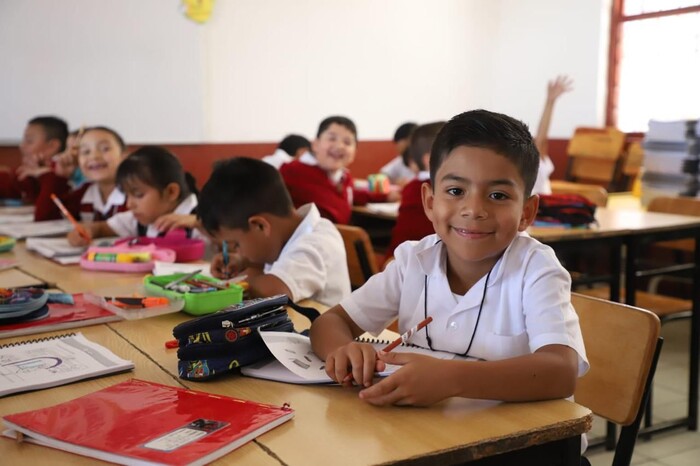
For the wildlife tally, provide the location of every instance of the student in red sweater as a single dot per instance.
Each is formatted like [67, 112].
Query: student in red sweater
[323, 178]
[100, 151]
[412, 223]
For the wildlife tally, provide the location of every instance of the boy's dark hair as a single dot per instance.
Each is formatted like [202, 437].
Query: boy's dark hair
[54, 128]
[240, 188]
[404, 131]
[116, 135]
[157, 167]
[339, 120]
[495, 131]
[422, 138]
[292, 143]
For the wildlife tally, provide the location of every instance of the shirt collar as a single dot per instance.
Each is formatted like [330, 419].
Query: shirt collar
[423, 175]
[187, 205]
[308, 159]
[92, 196]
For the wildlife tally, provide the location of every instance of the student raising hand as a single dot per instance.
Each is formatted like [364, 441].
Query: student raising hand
[558, 86]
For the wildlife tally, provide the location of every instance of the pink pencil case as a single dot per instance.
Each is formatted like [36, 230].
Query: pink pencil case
[125, 258]
[186, 249]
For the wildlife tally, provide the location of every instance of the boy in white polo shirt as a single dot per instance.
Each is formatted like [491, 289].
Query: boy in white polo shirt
[282, 250]
[494, 293]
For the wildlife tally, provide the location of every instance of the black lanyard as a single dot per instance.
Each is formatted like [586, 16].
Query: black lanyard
[478, 316]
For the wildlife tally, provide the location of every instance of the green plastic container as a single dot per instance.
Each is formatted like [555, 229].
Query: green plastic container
[195, 303]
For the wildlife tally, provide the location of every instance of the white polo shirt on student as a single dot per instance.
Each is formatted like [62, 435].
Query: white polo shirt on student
[278, 158]
[527, 304]
[396, 170]
[93, 198]
[125, 224]
[312, 263]
[542, 183]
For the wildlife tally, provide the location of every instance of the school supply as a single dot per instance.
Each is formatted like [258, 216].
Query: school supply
[148, 423]
[295, 362]
[125, 258]
[565, 209]
[78, 227]
[378, 183]
[384, 208]
[49, 362]
[202, 294]
[186, 249]
[172, 268]
[47, 228]
[22, 218]
[219, 343]
[57, 249]
[6, 243]
[7, 263]
[136, 307]
[17, 305]
[60, 317]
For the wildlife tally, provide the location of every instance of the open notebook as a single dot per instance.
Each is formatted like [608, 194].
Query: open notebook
[295, 361]
[47, 228]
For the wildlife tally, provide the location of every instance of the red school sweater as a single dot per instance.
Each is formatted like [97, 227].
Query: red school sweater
[411, 222]
[46, 209]
[310, 183]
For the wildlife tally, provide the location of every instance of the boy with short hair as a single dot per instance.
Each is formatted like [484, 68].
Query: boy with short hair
[494, 293]
[323, 178]
[283, 251]
[290, 148]
[398, 170]
[411, 222]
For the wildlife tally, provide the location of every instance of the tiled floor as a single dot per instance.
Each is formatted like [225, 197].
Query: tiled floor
[678, 447]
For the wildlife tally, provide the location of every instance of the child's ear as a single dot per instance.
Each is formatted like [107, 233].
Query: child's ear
[529, 212]
[428, 196]
[172, 192]
[54, 146]
[258, 223]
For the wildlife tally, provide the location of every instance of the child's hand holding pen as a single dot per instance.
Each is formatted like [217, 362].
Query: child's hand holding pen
[360, 358]
[225, 269]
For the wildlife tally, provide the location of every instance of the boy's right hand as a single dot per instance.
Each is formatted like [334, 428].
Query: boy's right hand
[360, 358]
[76, 239]
[236, 265]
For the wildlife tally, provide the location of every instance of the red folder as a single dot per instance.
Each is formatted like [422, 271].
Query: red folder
[138, 420]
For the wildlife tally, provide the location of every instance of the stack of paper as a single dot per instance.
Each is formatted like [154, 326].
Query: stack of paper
[48, 228]
[57, 249]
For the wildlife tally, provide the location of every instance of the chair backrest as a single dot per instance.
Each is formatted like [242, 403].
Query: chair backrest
[593, 192]
[360, 255]
[622, 345]
[681, 206]
[594, 155]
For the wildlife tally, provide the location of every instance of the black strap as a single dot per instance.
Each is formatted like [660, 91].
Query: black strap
[308, 312]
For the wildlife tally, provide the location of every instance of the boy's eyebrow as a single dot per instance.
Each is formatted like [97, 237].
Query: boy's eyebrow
[496, 182]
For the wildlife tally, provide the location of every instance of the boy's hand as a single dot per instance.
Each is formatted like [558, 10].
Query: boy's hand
[361, 358]
[66, 162]
[168, 222]
[236, 265]
[560, 85]
[419, 382]
[76, 239]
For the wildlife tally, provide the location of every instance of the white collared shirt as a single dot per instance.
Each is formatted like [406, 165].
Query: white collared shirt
[313, 263]
[92, 196]
[542, 183]
[278, 158]
[125, 224]
[527, 303]
[396, 170]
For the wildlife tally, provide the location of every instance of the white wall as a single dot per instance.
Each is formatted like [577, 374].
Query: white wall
[262, 68]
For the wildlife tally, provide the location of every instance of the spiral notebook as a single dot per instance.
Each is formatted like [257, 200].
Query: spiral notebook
[295, 362]
[59, 360]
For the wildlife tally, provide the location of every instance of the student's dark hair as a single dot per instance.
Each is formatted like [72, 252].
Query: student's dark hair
[157, 167]
[54, 127]
[338, 120]
[238, 189]
[292, 143]
[422, 138]
[495, 131]
[404, 131]
[119, 139]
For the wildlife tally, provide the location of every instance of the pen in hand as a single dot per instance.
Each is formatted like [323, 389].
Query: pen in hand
[224, 252]
[81, 231]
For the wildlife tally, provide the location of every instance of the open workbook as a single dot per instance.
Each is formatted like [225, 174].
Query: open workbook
[295, 361]
[53, 361]
[139, 422]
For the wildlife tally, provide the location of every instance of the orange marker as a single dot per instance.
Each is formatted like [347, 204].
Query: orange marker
[81, 231]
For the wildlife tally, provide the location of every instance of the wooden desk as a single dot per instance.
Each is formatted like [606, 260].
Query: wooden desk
[331, 426]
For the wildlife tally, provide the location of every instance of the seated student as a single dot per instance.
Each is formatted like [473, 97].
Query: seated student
[67, 164]
[44, 137]
[100, 152]
[283, 251]
[160, 197]
[290, 148]
[555, 88]
[323, 178]
[411, 222]
[494, 293]
[398, 169]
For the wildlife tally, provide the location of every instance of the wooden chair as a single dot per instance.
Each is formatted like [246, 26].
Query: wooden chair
[623, 344]
[593, 192]
[360, 256]
[594, 156]
[632, 161]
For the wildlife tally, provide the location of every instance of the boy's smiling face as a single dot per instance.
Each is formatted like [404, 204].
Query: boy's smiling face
[477, 207]
[334, 148]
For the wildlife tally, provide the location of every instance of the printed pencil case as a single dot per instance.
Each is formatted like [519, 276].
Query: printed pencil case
[186, 249]
[125, 258]
[22, 304]
[202, 294]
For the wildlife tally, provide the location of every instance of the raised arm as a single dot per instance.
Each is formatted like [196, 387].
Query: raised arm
[555, 88]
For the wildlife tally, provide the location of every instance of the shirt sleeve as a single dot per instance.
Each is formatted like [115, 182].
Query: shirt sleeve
[302, 269]
[123, 224]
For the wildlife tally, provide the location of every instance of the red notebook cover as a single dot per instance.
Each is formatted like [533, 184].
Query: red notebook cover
[139, 420]
[61, 316]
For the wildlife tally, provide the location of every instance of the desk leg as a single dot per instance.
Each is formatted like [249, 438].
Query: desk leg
[694, 342]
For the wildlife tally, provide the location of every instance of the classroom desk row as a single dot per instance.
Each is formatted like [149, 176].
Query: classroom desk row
[331, 425]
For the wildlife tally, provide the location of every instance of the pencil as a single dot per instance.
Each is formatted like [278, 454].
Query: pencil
[224, 251]
[81, 231]
[407, 336]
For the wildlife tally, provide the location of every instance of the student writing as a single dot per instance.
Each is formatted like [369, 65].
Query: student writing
[323, 178]
[160, 197]
[494, 293]
[283, 251]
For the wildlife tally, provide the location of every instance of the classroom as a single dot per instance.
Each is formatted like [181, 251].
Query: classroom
[183, 99]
